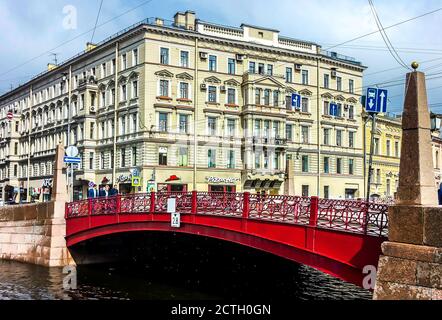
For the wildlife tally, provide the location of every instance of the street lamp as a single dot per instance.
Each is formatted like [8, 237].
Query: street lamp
[435, 121]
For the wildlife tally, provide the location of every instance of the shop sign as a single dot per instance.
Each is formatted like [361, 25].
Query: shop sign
[124, 178]
[222, 180]
[47, 183]
[136, 182]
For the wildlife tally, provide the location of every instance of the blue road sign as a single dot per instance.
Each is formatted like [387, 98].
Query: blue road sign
[333, 109]
[296, 100]
[381, 100]
[371, 100]
[376, 100]
[72, 160]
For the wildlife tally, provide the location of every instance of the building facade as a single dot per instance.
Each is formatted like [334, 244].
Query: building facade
[132, 104]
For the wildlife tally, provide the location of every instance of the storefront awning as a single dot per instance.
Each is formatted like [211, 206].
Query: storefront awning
[262, 184]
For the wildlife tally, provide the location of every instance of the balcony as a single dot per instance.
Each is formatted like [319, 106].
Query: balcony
[250, 76]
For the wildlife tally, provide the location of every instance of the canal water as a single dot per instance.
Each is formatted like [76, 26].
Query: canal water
[180, 268]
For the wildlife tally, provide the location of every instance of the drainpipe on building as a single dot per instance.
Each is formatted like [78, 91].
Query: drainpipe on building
[28, 196]
[70, 181]
[116, 88]
[195, 116]
[318, 115]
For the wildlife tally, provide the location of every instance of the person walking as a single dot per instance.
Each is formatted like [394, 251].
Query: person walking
[92, 192]
[104, 192]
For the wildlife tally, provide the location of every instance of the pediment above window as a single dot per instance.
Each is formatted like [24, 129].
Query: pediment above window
[184, 76]
[327, 95]
[212, 79]
[232, 82]
[352, 100]
[133, 75]
[290, 90]
[305, 92]
[339, 98]
[164, 73]
[122, 79]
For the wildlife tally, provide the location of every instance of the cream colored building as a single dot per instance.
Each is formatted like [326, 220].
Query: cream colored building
[134, 101]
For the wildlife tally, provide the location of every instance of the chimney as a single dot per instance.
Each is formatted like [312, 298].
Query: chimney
[159, 22]
[90, 46]
[190, 20]
[51, 66]
[180, 19]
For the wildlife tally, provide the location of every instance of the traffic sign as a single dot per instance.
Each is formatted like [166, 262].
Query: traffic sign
[175, 220]
[381, 100]
[333, 109]
[10, 115]
[72, 160]
[371, 100]
[296, 100]
[72, 151]
[376, 100]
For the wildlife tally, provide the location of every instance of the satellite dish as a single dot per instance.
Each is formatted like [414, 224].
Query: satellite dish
[72, 151]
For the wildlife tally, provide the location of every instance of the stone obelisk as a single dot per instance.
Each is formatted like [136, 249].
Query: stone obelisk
[411, 264]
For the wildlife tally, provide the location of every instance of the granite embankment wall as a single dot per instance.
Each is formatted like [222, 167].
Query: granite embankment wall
[34, 233]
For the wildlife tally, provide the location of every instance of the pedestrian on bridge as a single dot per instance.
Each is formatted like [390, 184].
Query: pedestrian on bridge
[92, 192]
[114, 191]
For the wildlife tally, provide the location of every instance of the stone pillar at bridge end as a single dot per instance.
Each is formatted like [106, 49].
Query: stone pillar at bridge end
[411, 264]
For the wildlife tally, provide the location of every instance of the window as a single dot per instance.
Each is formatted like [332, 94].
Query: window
[326, 165]
[162, 125]
[164, 88]
[326, 81]
[338, 83]
[304, 104]
[270, 70]
[376, 145]
[92, 131]
[212, 94]
[134, 122]
[103, 70]
[102, 160]
[134, 156]
[350, 166]
[212, 63]
[103, 98]
[164, 56]
[134, 89]
[261, 68]
[396, 149]
[183, 157]
[289, 132]
[339, 138]
[339, 165]
[267, 97]
[276, 98]
[184, 59]
[338, 110]
[184, 90]
[351, 88]
[288, 102]
[134, 57]
[257, 130]
[258, 156]
[326, 110]
[275, 129]
[184, 123]
[231, 127]
[266, 159]
[123, 93]
[289, 74]
[388, 187]
[231, 99]
[304, 74]
[211, 126]
[378, 176]
[388, 147]
[305, 192]
[326, 136]
[351, 112]
[304, 134]
[162, 156]
[111, 162]
[351, 139]
[252, 67]
[123, 61]
[113, 66]
[211, 157]
[15, 170]
[231, 66]
[276, 157]
[257, 96]
[231, 159]
[304, 163]
[326, 192]
[123, 158]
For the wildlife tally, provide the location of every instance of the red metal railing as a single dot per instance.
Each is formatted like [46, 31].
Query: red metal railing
[345, 215]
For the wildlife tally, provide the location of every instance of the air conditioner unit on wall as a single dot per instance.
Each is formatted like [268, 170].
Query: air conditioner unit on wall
[298, 67]
[333, 73]
[222, 88]
[203, 55]
[239, 57]
[203, 86]
[92, 109]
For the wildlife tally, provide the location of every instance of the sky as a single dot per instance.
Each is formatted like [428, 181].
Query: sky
[31, 29]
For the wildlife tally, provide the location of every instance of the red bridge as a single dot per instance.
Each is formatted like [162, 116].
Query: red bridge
[338, 237]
